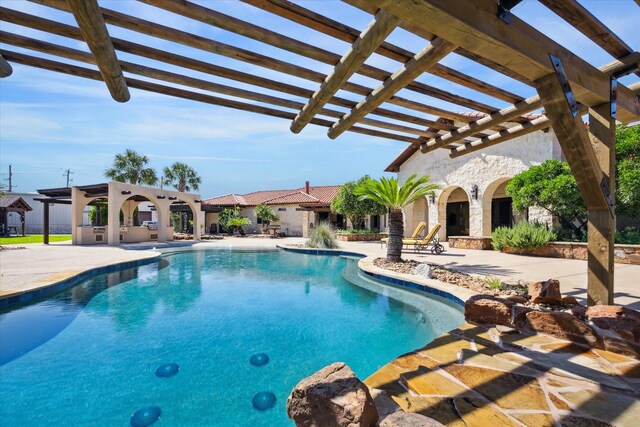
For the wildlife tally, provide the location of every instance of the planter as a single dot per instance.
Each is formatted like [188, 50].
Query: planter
[481, 243]
[360, 237]
[623, 254]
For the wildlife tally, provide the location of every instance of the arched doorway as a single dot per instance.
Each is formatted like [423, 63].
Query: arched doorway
[497, 209]
[456, 213]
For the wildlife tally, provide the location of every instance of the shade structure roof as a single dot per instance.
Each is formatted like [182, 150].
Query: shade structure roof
[397, 102]
[14, 203]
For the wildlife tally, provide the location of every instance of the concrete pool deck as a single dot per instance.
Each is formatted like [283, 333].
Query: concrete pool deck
[39, 265]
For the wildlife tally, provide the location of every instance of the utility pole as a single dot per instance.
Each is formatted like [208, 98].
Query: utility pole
[67, 173]
[10, 176]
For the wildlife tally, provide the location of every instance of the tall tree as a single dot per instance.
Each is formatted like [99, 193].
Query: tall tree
[388, 193]
[353, 207]
[130, 167]
[182, 177]
[628, 170]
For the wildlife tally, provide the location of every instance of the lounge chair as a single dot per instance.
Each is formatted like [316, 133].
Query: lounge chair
[431, 239]
[414, 236]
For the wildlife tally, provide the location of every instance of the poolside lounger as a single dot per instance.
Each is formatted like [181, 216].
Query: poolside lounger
[414, 236]
[431, 240]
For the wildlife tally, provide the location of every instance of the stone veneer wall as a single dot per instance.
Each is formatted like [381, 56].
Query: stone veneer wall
[623, 254]
[487, 169]
[466, 242]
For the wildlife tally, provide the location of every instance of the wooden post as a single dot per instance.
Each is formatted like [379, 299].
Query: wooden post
[22, 219]
[46, 223]
[601, 228]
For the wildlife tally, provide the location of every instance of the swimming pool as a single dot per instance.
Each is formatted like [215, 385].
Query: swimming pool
[89, 356]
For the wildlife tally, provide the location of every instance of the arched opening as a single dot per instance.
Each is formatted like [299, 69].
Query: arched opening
[138, 219]
[455, 212]
[497, 210]
[183, 218]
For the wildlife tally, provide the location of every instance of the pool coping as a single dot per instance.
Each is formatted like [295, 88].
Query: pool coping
[48, 289]
[455, 294]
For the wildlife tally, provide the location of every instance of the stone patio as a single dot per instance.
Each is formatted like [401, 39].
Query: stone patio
[473, 376]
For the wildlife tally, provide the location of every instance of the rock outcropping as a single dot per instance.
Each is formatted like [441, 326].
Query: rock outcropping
[332, 397]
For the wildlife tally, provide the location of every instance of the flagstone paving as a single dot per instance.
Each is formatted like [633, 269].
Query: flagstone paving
[473, 376]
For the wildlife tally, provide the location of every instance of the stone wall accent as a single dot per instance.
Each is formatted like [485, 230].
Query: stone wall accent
[623, 254]
[360, 237]
[332, 397]
[482, 243]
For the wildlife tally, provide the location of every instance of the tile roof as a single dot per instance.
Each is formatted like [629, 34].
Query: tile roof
[319, 194]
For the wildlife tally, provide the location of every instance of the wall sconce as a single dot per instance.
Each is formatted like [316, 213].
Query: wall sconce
[161, 197]
[432, 199]
[474, 192]
[197, 201]
[126, 192]
[173, 198]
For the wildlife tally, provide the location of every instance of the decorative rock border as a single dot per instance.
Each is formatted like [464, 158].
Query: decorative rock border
[360, 237]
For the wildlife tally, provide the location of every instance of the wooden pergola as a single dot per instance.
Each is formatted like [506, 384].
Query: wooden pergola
[488, 32]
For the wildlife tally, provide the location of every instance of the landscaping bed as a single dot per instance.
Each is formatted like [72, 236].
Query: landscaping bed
[352, 237]
[624, 254]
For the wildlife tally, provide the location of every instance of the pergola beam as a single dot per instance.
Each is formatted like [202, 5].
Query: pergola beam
[94, 31]
[501, 116]
[502, 136]
[203, 14]
[582, 20]
[338, 30]
[180, 79]
[473, 24]
[192, 40]
[378, 30]
[60, 67]
[425, 59]
[574, 140]
[64, 30]
[5, 68]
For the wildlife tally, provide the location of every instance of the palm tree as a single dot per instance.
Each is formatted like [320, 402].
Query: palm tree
[387, 193]
[182, 177]
[130, 167]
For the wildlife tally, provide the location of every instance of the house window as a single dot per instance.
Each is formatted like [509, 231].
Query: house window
[282, 209]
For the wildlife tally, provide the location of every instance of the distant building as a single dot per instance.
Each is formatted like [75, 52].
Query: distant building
[59, 216]
[472, 199]
[299, 209]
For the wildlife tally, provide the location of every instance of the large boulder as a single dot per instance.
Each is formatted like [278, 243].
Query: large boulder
[488, 309]
[406, 419]
[562, 325]
[332, 397]
[621, 320]
[547, 292]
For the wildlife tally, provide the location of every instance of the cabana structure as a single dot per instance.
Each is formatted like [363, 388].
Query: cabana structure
[10, 204]
[122, 200]
[488, 32]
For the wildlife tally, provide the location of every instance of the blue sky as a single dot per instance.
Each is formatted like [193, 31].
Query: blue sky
[50, 122]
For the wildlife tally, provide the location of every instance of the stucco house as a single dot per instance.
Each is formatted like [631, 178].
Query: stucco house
[472, 199]
[298, 209]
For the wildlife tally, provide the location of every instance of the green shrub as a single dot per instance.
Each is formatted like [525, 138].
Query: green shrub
[323, 237]
[236, 224]
[524, 235]
[359, 231]
[628, 236]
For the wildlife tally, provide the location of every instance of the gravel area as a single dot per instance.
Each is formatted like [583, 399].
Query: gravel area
[446, 275]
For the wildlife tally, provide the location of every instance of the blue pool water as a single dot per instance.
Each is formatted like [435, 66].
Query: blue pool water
[89, 356]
